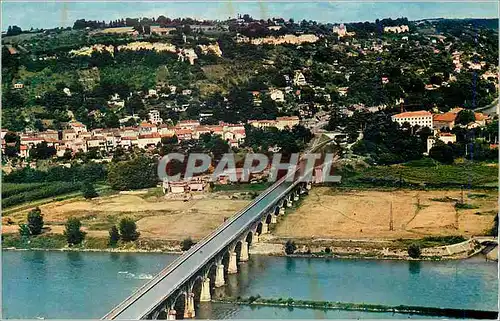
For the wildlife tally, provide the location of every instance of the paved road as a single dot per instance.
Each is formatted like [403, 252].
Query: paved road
[167, 281]
[491, 109]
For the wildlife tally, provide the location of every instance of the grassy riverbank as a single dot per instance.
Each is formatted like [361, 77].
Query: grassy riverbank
[57, 242]
[290, 302]
[91, 243]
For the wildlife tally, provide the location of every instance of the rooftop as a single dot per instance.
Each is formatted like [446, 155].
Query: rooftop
[409, 114]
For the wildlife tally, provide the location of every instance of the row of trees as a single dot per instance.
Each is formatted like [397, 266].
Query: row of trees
[127, 231]
[92, 172]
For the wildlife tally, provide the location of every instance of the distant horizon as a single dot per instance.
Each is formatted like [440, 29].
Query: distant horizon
[48, 15]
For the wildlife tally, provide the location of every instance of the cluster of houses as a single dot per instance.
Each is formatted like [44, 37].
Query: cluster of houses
[437, 122]
[147, 135]
[76, 138]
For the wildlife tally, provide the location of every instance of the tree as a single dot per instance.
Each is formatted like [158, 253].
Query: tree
[73, 233]
[290, 247]
[442, 153]
[88, 190]
[465, 116]
[139, 172]
[14, 30]
[35, 221]
[24, 231]
[414, 250]
[187, 244]
[128, 230]
[114, 236]
[42, 151]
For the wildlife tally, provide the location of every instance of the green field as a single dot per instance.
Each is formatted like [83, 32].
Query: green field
[16, 194]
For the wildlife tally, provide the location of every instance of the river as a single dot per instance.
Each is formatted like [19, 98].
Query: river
[53, 284]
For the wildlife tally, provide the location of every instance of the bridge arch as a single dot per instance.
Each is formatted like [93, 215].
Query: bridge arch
[179, 304]
[259, 228]
[249, 237]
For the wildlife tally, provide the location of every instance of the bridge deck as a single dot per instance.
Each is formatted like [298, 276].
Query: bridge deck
[145, 299]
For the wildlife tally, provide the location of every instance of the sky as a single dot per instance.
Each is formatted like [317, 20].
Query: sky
[49, 14]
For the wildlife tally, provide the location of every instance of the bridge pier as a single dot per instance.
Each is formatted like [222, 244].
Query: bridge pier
[189, 312]
[232, 267]
[219, 276]
[244, 251]
[289, 201]
[308, 185]
[282, 210]
[265, 228]
[171, 314]
[296, 195]
[205, 291]
[273, 219]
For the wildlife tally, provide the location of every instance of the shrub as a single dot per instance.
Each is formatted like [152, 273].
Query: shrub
[128, 230]
[74, 235]
[187, 244]
[114, 236]
[328, 250]
[414, 251]
[290, 247]
[88, 190]
[24, 230]
[464, 206]
[35, 221]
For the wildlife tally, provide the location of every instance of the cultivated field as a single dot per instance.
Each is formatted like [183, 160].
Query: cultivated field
[329, 213]
[156, 217]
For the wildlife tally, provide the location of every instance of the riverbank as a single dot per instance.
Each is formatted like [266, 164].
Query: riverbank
[57, 242]
[419, 310]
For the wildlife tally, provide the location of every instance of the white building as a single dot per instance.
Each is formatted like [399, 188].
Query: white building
[446, 138]
[154, 117]
[299, 79]
[152, 92]
[277, 95]
[422, 118]
[397, 29]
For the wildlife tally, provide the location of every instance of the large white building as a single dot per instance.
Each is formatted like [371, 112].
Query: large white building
[422, 118]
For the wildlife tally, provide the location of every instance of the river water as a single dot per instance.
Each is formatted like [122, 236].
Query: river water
[87, 285]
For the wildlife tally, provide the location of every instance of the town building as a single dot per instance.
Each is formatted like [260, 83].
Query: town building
[447, 138]
[162, 31]
[397, 29]
[444, 120]
[77, 126]
[299, 79]
[154, 117]
[422, 118]
[287, 121]
[277, 95]
[147, 128]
